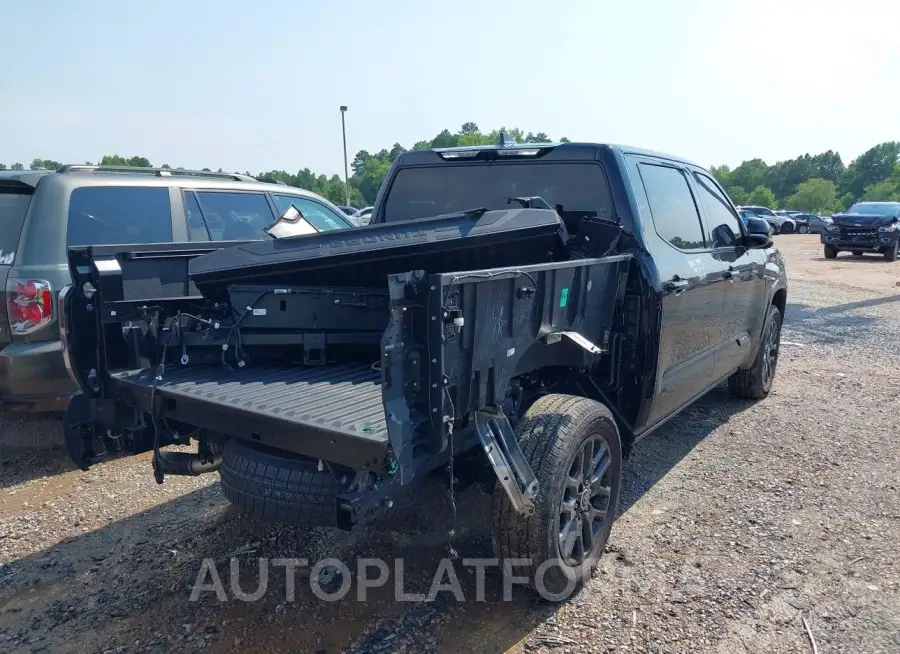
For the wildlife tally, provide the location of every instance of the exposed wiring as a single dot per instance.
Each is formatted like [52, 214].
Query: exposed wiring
[451, 551]
[480, 275]
[236, 332]
[489, 275]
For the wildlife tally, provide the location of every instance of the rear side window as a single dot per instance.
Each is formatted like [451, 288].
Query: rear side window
[235, 216]
[111, 215]
[672, 206]
[316, 213]
[13, 205]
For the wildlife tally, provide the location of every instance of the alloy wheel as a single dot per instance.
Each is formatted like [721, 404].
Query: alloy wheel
[585, 507]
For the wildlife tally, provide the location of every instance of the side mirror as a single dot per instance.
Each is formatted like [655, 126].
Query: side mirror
[754, 241]
[759, 226]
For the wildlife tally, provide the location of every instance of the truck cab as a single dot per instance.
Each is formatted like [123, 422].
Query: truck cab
[673, 216]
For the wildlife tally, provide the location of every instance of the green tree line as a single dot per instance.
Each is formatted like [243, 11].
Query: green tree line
[819, 183]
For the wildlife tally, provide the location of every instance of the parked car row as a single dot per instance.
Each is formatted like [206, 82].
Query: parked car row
[866, 227]
[787, 221]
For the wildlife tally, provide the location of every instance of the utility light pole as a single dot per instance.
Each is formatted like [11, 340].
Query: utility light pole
[346, 168]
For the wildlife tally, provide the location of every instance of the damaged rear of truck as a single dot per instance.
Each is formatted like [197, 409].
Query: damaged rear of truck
[325, 376]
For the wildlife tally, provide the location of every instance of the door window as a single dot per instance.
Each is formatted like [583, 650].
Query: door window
[721, 223]
[316, 213]
[235, 216]
[672, 206]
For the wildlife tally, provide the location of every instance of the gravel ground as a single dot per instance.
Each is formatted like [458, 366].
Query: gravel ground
[739, 522]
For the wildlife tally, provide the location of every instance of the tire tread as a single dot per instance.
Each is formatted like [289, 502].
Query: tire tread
[278, 487]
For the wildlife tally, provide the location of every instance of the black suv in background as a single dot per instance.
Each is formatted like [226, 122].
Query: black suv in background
[43, 212]
[865, 227]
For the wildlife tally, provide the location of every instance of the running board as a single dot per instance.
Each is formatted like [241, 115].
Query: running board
[503, 451]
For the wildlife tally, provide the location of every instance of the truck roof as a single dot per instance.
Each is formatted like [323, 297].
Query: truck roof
[580, 150]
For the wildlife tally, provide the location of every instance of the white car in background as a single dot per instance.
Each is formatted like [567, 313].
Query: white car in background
[363, 216]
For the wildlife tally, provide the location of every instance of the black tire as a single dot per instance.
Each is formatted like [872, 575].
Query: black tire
[831, 252]
[556, 432]
[803, 229]
[787, 228]
[891, 254]
[756, 381]
[276, 485]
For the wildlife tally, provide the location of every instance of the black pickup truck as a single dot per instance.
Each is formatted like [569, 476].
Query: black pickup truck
[525, 312]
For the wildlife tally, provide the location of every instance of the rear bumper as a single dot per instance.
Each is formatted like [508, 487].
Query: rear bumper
[33, 377]
[881, 242]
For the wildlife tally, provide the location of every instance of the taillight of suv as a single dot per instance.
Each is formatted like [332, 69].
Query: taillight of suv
[29, 303]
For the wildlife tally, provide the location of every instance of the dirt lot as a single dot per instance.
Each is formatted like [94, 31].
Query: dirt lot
[739, 522]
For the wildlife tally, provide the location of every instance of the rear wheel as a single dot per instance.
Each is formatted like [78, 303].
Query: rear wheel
[891, 254]
[831, 252]
[572, 444]
[756, 381]
[787, 228]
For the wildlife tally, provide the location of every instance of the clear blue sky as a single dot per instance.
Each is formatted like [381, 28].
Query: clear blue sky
[257, 85]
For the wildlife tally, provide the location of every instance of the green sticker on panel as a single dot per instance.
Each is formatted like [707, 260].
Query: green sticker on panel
[563, 297]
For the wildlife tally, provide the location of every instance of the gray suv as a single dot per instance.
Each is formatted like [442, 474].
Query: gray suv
[43, 212]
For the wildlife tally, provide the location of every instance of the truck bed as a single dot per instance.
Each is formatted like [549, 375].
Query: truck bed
[316, 403]
[449, 344]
